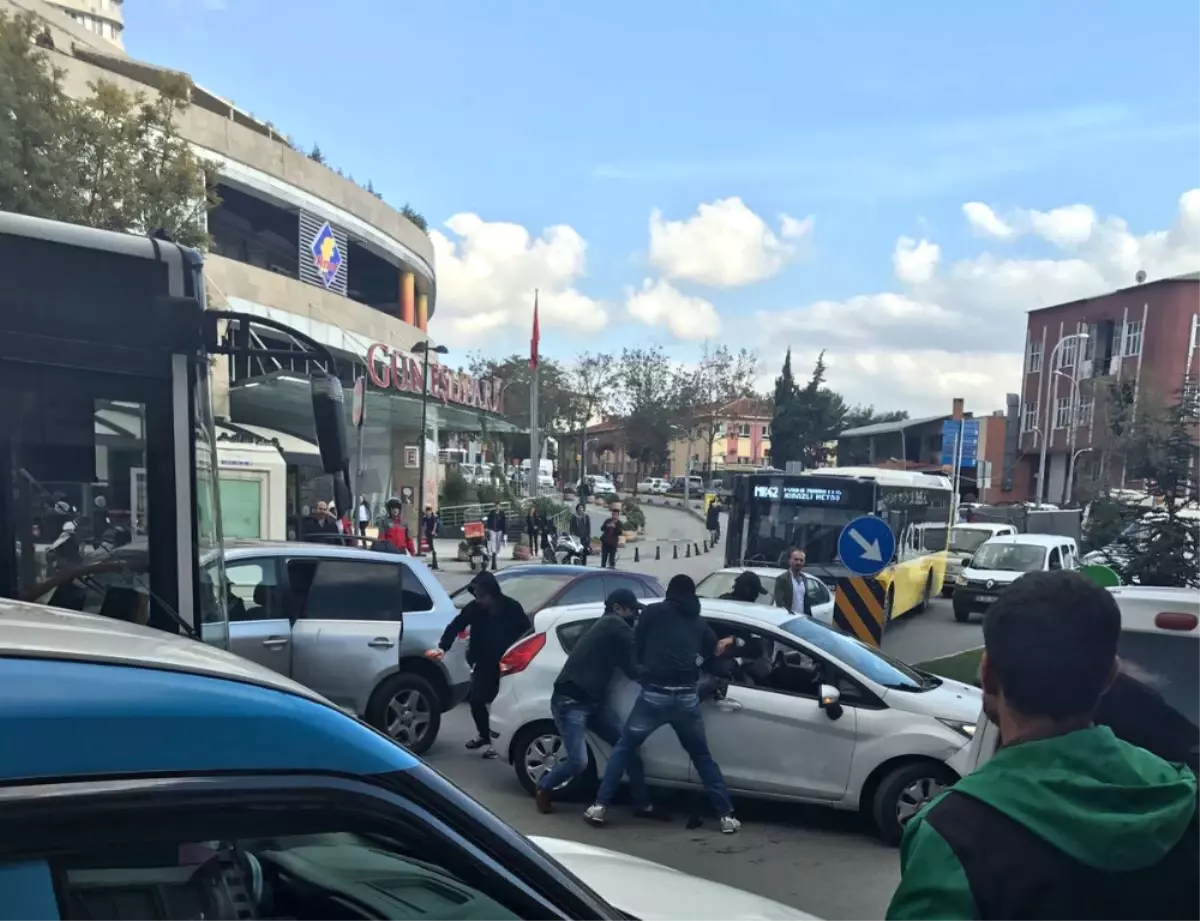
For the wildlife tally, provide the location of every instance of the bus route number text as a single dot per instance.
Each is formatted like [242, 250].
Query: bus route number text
[816, 495]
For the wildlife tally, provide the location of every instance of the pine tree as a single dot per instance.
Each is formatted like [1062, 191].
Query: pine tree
[316, 156]
[785, 440]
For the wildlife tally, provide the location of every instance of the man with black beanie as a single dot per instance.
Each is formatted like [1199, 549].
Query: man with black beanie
[496, 622]
[671, 639]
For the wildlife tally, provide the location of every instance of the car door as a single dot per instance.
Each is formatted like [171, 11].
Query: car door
[259, 628]
[820, 599]
[776, 739]
[348, 625]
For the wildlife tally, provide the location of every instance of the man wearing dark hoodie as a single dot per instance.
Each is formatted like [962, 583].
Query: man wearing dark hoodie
[671, 639]
[1065, 820]
[495, 622]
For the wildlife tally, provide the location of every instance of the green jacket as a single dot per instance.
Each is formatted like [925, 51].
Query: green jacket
[1104, 806]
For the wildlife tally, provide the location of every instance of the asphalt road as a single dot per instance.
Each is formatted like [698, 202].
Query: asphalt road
[821, 861]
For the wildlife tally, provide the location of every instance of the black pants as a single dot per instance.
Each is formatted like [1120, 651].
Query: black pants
[362, 529]
[485, 685]
[608, 556]
[432, 551]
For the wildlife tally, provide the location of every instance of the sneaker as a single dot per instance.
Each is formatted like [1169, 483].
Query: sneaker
[594, 814]
[543, 802]
[490, 754]
[729, 825]
[477, 742]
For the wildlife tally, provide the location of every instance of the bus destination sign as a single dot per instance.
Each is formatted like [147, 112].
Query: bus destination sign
[808, 495]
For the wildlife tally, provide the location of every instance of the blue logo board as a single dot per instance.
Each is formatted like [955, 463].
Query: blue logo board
[327, 255]
[866, 545]
[968, 430]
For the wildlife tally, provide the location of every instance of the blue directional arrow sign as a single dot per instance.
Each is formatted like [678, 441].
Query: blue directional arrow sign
[866, 545]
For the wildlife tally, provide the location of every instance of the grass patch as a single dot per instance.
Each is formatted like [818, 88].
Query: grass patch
[961, 666]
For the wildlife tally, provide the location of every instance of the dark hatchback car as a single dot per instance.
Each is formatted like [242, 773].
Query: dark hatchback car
[538, 586]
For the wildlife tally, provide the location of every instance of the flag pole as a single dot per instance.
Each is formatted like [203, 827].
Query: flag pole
[535, 453]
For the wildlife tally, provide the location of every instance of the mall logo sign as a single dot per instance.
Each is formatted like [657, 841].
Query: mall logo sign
[393, 369]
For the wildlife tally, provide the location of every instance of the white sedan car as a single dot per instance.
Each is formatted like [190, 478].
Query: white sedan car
[829, 720]
[719, 583]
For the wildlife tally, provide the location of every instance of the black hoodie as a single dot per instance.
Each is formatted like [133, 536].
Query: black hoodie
[671, 640]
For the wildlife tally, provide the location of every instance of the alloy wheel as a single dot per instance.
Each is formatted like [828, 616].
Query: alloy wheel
[408, 716]
[913, 797]
[541, 754]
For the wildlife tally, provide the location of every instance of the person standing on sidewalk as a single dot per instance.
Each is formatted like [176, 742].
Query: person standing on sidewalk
[712, 521]
[1066, 820]
[581, 526]
[579, 702]
[610, 539]
[363, 514]
[430, 525]
[496, 525]
[495, 622]
[670, 639]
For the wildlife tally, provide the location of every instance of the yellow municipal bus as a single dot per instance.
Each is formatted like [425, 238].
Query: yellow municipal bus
[770, 513]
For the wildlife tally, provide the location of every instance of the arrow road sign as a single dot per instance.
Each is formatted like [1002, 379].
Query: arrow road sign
[866, 545]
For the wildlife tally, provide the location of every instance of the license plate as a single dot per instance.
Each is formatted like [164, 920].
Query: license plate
[986, 599]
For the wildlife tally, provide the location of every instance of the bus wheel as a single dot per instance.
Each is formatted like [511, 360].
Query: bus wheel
[927, 593]
[889, 604]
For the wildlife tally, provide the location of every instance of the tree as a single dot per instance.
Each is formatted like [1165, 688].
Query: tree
[810, 419]
[114, 161]
[721, 379]
[650, 400]
[786, 438]
[858, 416]
[415, 216]
[554, 393]
[589, 381]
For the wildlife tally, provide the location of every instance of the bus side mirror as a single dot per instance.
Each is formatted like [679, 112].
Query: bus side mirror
[329, 418]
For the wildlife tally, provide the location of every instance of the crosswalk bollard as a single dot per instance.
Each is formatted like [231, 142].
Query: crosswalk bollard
[658, 552]
[676, 549]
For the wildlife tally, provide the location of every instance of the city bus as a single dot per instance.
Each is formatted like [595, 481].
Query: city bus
[770, 513]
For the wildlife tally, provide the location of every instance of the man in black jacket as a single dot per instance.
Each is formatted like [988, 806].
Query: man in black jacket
[496, 525]
[670, 639]
[496, 622]
[581, 526]
[579, 699]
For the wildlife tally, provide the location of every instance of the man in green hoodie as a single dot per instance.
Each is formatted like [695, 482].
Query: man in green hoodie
[1065, 820]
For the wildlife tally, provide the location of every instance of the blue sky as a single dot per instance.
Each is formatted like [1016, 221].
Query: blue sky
[878, 119]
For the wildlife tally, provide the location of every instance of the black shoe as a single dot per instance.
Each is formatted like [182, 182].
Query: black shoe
[477, 743]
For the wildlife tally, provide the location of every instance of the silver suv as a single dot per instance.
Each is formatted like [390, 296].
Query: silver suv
[353, 625]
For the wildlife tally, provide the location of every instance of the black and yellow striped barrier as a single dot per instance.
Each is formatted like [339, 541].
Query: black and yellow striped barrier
[858, 609]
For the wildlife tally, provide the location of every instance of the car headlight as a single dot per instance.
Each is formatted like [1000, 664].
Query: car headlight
[960, 580]
[967, 730]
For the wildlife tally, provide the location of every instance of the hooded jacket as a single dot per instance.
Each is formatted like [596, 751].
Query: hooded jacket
[671, 639]
[1081, 825]
[491, 632]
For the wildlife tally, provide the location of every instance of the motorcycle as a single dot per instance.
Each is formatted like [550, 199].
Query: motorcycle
[569, 549]
[475, 538]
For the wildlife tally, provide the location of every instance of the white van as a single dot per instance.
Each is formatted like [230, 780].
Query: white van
[1159, 646]
[965, 539]
[1000, 561]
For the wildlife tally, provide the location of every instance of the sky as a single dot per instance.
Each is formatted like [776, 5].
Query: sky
[892, 184]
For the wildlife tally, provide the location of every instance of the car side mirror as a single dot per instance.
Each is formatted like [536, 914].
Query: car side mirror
[829, 699]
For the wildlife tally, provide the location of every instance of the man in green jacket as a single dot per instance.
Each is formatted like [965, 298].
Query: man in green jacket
[1065, 820]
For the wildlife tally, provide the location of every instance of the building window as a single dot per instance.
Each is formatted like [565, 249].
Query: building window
[744, 430]
[1033, 362]
[1029, 418]
[1086, 410]
[743, 461]
[1067, 352]
[1133, 338]
[766, 431]
[1062, 412]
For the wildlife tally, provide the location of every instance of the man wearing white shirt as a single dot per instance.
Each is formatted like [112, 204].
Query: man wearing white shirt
[791, 587]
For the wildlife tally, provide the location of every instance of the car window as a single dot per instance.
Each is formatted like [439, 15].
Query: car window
[1169, 664]
[1055, 559]
[1010, 557]
[330, 875]
[587, 590]
[817, 591]
[532, 591]
[349, 590]
[612, 582]
[866, 660]
[255, 584]
[716, 584]
[414, 595]
[569, 634]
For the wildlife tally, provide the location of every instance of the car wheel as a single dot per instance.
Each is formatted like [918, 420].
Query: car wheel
[406, 708]
[904, 792]
[962, 615]
[536, 749]
[947, 591]
[927, 594]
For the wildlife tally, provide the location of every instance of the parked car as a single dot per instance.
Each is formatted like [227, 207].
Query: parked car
[654, 486]
[178, 781]
[718, 583]
[1000, 561]
[695, 486]
[539, 585]
[1159, 645]
[353, 625]
[838, 723]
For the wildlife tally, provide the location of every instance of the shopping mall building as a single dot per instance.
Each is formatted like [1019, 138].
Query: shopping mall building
[294, 242]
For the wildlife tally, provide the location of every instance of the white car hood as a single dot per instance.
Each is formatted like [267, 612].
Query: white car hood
[951, 700]
[652, 892]
[1001, 577]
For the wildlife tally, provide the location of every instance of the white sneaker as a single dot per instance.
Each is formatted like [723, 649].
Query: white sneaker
[594, 814]
[729, 825]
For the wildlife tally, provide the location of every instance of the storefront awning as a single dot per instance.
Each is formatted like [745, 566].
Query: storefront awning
[295, 450]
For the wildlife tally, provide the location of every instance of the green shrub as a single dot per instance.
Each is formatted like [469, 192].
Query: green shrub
[632, 514]
[455, 489]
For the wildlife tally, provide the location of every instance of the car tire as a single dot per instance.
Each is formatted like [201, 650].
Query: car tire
[927, 594]
[947, 592]
[417, 701]
[577, 789]
[962, 615]
[906, 790]
[889, 605]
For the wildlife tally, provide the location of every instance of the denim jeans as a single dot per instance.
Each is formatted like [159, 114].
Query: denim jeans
[681, 710]
[574, 719]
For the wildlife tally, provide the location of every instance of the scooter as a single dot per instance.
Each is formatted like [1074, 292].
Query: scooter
[569, 549]
[477, 548]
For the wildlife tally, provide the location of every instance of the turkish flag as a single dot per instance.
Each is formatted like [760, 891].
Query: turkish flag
[533, 342]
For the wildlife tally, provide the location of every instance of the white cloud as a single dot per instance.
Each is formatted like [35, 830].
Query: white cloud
[724, 244]
[657, 303]
[983, 220]
[914, 261]
[958, 329]
[487, 276]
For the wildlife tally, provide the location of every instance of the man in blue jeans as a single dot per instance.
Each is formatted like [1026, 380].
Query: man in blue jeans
[579, 700]
[671, 639]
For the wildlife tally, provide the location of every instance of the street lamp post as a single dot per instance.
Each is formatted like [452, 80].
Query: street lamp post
[424, 348]
[1073, 423]
[1071, 472]
[1048, 431]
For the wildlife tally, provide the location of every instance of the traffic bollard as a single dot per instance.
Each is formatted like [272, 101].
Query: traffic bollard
[635, 554]
[657, 552]
[706, 546]
[676, 549]
[688, 555]
[697, 546]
